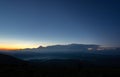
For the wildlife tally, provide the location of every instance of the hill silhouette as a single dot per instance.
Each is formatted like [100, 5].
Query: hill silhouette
[10, 60]
[13, 67]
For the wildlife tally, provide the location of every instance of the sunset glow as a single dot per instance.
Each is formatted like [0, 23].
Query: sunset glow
[30, 24]
[16, 46]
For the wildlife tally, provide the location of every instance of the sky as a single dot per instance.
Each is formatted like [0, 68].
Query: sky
[31, 23]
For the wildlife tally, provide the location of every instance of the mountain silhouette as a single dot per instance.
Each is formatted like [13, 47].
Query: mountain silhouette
[69, 47]
[10, 60]
[13, 67]
[64, 48]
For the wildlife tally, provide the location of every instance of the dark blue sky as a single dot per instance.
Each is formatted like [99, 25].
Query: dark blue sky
[45, 22]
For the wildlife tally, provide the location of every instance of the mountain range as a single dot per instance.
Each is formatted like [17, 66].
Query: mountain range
[65, 48]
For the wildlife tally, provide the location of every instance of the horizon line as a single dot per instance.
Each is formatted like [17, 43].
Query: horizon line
[10, 49]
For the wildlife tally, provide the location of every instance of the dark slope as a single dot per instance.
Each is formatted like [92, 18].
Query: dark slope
[13, 67]
[10, 60]
[58, 65]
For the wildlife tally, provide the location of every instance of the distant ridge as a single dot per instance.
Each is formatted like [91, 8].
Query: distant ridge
[69, 47]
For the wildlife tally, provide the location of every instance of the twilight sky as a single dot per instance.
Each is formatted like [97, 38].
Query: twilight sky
[30, 23]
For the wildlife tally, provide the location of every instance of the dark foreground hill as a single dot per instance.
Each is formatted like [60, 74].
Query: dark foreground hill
[6, 59]
[13, 67]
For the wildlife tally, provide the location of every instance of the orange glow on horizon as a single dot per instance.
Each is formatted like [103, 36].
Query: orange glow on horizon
[7, 49]
[16, 46]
